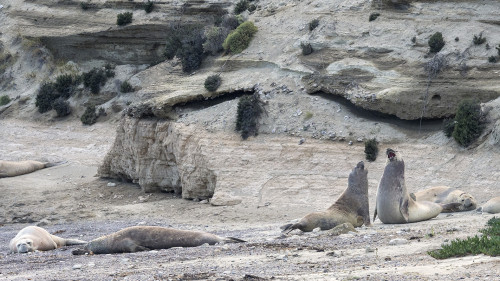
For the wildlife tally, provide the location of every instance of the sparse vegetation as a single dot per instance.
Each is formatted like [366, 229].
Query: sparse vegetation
[488, 243]
[373, 16]
[96, 78]
[213, 82]
[241, 6]
[478, 40]
[65, 85]
[239, 39]
[308, 115]
[89, 117]
[371, 149]
[186, 42]
[4, 100]
[252, 7]
[45, 97]
[61, 106]
[492, 59]
[125, 87]
[214, 37]
[313, 24]
[124, 18]
[148, 7]
[436, 42]
[306, 48]
[468, 122]
[248, 114]
[84, 5]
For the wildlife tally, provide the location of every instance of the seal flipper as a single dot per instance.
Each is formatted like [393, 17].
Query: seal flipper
[375, 213]
[70, 242]
[451, 207]
[403, 208]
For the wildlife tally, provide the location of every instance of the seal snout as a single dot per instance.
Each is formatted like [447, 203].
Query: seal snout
[361, 165]
[23, 248]
[391, 154]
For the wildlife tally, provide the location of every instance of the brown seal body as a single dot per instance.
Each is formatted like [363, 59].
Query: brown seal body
[17, 168]
[145, 238]
[34, 238]
[447, 195]
[351, 207]
[393, 203]
[492, 206]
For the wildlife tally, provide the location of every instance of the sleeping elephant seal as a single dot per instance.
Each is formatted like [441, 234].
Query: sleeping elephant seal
[145, 238]
[492, 206]
[34, 238]
[447, 195]
[393, 203]
[17, 168]
[351, 207]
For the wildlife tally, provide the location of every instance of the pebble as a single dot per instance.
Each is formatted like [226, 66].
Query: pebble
[77, 266]
[398, 241]
[111, 184]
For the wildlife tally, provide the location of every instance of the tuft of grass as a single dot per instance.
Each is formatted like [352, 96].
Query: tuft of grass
[492, 59]
[213, 82]
[371, 149]
[125, 87]
[478, 40]
[4, 100]
[488, 243]
[124, 18]
[308, 115]
[307, 49]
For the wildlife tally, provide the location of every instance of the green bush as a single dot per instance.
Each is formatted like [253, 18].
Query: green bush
[96, 78]
[248, 114]
[436, 42]
[47, 94]
[371, 149]
[241, 6]
[125, 87]
[65, 85]
[173, 43]
[148, 7]
[4, 100]
[213, 82]
[313, 24]
[468, 123]
[124, 18]
[231, 22]
[448, 126]
[191, 51]
[492, 59]
[84, 5]
[478, 40]
[89, 117]
[252, 7]
[373, 16]
[61, 106]
[488, 243]
[239, 39]
[306, 48]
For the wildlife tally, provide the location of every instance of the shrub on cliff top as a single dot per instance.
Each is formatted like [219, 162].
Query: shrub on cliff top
[4, 100]
[124, 18]
[89, 117]
[436, 42]
[61, 106]
[212, 82]
[240, 38]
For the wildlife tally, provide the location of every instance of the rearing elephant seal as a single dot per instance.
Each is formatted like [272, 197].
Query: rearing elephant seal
[393, 204]
[351, 207]
[447, 195]
[145, 238]
[34, 238]
[492, 206]
[17, 168]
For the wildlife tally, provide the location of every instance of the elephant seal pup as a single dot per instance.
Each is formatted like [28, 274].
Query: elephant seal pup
[351, 207]
[17, 168]
[393, 203]
[145, 238]
[492, 206]
[34, 238]
[447, 195]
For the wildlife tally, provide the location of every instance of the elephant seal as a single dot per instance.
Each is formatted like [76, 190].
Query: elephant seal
[492, 206]
[145, 238]
[17, 168]
[351, 207]
[393, 203]
[34, 238]
[447, 195]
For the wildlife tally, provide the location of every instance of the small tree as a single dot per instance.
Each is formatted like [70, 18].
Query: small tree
[248, 114]
[436, 42]
[124, 18]
[468, 123]
[45, 97]
[89, 117]
[213, 82]
[371, 149]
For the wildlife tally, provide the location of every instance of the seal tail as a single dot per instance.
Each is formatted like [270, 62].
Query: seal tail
[451, 207]
[289, 227]
[70, 242]
[233, 240]
[479, 210]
